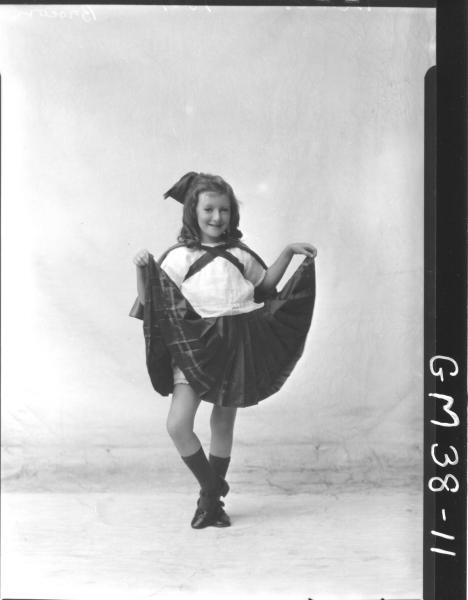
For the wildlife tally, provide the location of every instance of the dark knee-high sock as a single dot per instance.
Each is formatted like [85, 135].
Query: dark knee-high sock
[200, 467]
[219, 464]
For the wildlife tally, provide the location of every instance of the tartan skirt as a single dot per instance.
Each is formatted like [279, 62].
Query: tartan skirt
[233, 360]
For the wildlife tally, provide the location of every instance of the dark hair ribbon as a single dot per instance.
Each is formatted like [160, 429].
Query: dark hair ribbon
[180, 189]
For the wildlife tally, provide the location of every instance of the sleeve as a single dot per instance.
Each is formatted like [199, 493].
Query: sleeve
[253, 270]
[175, 265]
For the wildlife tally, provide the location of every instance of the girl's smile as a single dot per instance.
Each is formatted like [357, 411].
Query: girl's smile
[213, 215]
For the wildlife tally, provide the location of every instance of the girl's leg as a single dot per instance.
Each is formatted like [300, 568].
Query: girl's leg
[222, 429]
[180, 422]
[181, 418]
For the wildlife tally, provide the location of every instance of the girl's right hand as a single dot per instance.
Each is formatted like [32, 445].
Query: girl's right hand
[303, 248]
[142, 258]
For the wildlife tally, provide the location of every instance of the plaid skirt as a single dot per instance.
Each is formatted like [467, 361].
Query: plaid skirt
[234, 360]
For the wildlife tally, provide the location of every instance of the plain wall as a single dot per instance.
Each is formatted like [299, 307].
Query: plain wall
[315, 117]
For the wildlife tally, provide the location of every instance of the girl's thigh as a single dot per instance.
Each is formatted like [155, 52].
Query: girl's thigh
[184, 404]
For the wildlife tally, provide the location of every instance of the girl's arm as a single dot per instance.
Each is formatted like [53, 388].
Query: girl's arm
[141, 260]
[277, 269]
[141, 280]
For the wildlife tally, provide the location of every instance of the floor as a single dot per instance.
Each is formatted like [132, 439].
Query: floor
[362, 543]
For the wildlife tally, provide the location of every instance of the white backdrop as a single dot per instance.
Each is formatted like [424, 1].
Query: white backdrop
[315, 117]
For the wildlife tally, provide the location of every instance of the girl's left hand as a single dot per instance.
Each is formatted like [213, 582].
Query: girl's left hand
[303, 248]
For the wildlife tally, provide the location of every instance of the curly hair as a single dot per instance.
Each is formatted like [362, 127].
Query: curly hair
[190, 234]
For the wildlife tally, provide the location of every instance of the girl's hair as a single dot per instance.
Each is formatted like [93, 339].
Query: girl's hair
[190, 234]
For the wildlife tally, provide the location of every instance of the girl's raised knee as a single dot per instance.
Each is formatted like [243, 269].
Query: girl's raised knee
[172, 427]
[178, 429]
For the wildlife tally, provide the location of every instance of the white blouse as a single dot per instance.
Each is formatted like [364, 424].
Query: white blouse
[219, 288]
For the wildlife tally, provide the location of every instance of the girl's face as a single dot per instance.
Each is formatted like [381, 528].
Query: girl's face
[213, 215]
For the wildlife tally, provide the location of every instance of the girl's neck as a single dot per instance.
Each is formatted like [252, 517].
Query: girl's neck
[212, 243]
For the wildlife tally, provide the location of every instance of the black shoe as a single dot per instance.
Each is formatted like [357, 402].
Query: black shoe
[214, 516]
[222, 518]
[201, 519]
[210, 508]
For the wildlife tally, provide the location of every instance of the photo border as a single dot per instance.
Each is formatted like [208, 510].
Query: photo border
[445, 330]
[445, 288]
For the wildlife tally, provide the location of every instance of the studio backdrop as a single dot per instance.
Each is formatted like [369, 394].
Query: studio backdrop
[316, 119]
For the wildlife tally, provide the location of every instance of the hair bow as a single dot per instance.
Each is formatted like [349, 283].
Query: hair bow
[180, 189]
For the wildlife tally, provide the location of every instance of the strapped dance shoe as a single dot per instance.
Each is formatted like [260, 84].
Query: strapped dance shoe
[216, 516]
[222, 518]
[210, 510]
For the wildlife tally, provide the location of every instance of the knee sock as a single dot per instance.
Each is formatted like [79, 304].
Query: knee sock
[200, 467]
[219, 465]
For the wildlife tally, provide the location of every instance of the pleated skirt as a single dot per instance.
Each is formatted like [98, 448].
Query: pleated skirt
[234, 360]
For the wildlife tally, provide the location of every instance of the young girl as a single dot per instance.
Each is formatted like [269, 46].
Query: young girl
[216, 329]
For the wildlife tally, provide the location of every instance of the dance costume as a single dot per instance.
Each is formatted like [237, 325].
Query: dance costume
[203, 314]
